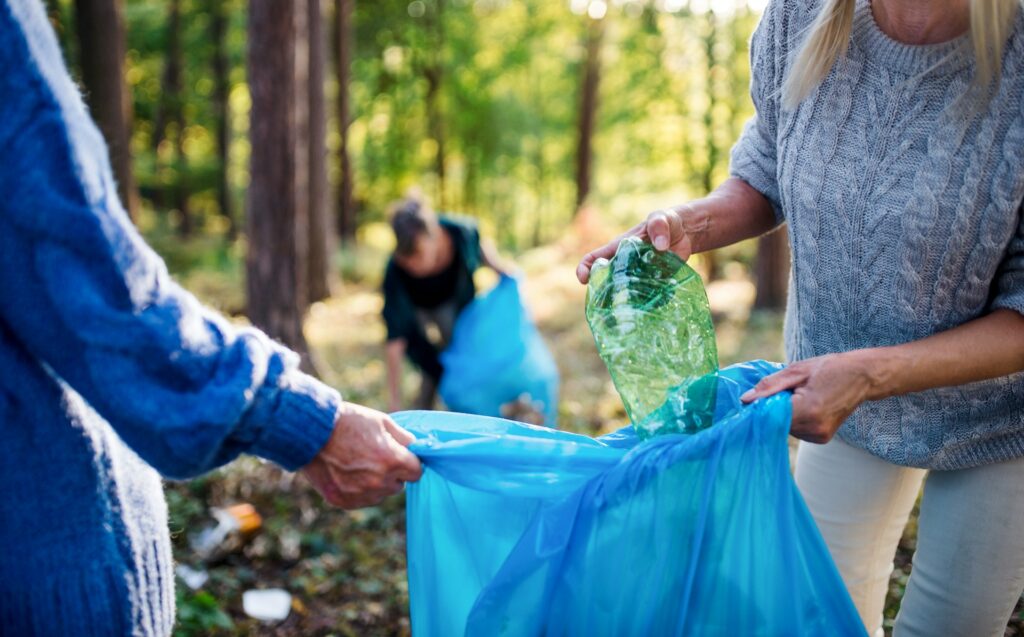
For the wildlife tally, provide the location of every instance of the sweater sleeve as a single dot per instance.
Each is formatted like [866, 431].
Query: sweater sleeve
[1008, 287]
[753, 157]
[85, 295]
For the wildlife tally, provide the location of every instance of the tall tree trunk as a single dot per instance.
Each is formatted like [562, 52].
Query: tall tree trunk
[221, 111]
[713, 151]
[100, 29]
[434, 73]
[278, 198]
[588, 110]
[170, 110]
[772, 270]
[174, 65]
[321, 231]
[344, 34]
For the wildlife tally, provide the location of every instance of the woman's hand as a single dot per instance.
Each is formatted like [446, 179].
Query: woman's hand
[826, 390]
[365, 459]
[732, 212]
[664, 229]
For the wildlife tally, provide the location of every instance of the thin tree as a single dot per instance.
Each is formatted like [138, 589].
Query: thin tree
[100, 28]
[170, 110]
[344, 38]
[221, 110]
[277, 203]
[433, 71]
[710, 142]
[321, 231]
[588, 109]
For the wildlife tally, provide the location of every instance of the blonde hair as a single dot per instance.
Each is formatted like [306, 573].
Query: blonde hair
[828, 38]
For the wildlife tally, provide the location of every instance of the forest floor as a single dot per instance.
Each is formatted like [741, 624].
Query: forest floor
[346, 570]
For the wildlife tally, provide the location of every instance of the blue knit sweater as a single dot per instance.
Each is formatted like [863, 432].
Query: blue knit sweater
[109, 372]
[904, 215]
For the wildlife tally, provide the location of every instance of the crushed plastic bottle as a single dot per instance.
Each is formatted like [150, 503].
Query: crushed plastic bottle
[651, 321]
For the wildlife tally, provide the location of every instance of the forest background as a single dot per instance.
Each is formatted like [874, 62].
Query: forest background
[258, 146]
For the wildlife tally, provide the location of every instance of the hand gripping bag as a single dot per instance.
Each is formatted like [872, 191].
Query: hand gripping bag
[497, 357]
[522, 531]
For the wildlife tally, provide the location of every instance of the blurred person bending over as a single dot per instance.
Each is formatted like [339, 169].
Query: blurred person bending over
[427, 284]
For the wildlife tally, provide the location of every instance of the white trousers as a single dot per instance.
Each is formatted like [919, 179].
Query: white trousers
[968, 569]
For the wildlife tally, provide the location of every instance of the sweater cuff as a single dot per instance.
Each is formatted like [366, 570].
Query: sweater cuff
[293, 419]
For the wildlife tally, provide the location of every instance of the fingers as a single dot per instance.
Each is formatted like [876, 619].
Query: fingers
[407, 466]
[365, 460]
[770, 385]
[659, 230]
[403, 437]
[662, 228]
[607, 251]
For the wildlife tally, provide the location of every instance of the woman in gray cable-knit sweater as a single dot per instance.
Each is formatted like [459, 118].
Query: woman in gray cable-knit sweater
[890, 137]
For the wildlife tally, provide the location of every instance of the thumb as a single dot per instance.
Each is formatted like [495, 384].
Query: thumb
[773, 384]
[400, 435]
[659, 231]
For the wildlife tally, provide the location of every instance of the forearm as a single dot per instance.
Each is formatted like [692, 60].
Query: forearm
[987, 347]
[489, 257]
[85, 296]
[731, 213]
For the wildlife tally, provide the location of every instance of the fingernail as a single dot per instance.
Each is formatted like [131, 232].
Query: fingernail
[747, 396]
[661, 243]
[580, 271]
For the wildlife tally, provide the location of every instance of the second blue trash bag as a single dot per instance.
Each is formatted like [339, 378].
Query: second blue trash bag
[496, 356]
[526, 531]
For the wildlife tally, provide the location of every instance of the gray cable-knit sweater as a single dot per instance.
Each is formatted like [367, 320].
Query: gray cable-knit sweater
[904, 217]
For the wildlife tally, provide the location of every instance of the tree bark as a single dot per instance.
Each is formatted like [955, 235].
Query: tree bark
[170, 110]
[713, 151]
[100, 27]
[343, 45]
[277, 203]
[434, 73]
[588, 110]
[321, 232]
[222, 112]
[772, 271]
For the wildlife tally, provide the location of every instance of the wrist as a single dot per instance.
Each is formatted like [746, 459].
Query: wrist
[695, 224]
[880, 369]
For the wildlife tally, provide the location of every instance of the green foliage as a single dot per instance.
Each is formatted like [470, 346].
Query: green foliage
[504, 109]
[200, 614]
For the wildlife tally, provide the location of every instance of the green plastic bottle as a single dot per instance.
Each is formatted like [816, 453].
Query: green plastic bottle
[651, 321]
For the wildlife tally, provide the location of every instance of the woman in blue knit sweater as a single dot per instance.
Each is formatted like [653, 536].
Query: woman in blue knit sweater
[111, 373]
[889, 136]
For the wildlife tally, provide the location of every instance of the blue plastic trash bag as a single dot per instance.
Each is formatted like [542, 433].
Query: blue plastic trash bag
[523, 531]
[497, 357]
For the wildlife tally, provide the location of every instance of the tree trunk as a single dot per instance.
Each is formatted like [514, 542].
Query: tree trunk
[100, 29]
[221, 110]
[713, 151]
[170, 110]
[344, 39]
[321, 232]
[772, 270]
[588, 110]
[434, 73]
[277, 203]
[174, 65]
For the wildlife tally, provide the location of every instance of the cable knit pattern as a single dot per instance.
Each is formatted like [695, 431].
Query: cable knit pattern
[903, 204]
